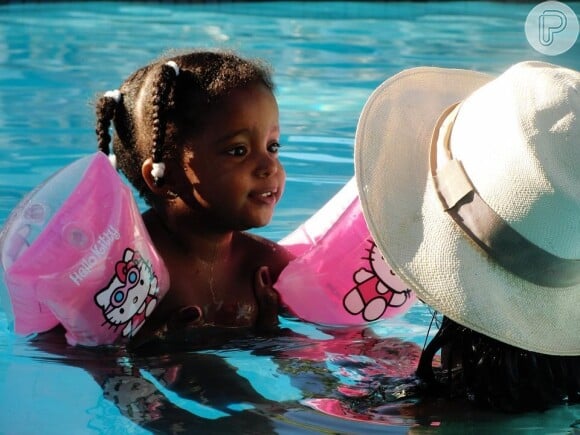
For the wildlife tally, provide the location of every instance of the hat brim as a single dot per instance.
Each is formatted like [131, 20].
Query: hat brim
[422, 244]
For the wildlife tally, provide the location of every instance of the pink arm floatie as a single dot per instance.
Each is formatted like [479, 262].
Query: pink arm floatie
[75, 251]
[339, 276]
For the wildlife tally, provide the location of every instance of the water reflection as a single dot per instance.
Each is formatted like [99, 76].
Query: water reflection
[248, 383]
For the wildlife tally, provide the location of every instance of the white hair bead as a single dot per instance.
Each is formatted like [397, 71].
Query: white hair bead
[115, 95]
[113, 160]
[173, 65]
[158, 170]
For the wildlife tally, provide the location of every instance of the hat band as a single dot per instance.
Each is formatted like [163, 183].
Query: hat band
[484, 226]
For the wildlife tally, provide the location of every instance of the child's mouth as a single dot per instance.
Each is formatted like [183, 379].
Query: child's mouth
[267, 197]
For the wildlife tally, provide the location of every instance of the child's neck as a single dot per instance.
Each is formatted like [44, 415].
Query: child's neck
[192, 237]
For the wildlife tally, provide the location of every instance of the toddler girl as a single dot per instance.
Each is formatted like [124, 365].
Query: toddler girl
[198, 136]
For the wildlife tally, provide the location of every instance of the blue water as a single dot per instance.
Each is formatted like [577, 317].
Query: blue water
[327, 57]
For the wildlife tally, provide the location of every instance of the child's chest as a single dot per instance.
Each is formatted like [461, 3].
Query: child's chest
[224, 294]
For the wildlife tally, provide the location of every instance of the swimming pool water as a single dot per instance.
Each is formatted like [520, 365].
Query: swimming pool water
[327, 58]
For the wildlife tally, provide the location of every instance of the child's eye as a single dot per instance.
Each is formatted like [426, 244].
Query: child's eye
[238, 151]
[274, 147]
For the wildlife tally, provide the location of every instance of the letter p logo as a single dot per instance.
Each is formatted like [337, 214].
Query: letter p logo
[552, 28]
[551, 22]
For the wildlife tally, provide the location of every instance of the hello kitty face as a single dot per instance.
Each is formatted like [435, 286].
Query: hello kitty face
[376, 289]
[131, 293]
[382, 270]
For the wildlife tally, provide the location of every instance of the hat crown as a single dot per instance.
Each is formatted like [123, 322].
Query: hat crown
[518, 138]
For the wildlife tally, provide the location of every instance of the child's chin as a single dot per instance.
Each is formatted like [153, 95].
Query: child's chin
[258, 223]
[248, 222]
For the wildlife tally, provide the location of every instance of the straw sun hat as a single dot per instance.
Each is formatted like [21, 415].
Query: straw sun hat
[477, 204]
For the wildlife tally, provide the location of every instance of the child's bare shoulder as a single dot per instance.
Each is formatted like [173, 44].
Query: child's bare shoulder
[264, 251]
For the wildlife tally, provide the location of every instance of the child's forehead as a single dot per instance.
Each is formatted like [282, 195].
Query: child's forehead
[246, 111]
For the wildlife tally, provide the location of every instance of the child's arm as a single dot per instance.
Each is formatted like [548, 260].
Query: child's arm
[273, 259]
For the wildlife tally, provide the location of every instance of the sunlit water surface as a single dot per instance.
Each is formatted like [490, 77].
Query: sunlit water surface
[327, 57]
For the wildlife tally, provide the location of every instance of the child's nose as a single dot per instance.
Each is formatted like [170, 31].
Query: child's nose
[267, 165]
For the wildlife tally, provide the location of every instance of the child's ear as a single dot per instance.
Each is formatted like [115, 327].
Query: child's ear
[146, 169]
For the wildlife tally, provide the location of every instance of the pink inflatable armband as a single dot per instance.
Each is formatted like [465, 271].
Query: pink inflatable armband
[339, 276]
[75, 251]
